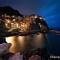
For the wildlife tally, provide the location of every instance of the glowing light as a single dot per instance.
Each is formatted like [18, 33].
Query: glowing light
[17, 25]
[13, 16]
[10, 39]
[14, 19]
[7, 26]
[35, 16]
[14, 43]
[41, 18]
[8, 21]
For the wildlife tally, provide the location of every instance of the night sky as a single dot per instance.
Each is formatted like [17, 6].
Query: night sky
[49, 9]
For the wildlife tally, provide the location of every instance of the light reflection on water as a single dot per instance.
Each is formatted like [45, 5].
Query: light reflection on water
[53, 43]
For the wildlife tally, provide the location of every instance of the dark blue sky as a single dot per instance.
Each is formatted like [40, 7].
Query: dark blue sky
[49, 9]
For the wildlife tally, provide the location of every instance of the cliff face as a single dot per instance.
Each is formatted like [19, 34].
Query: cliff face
[9, 11]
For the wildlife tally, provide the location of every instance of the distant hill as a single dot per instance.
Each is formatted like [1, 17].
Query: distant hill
[9, 11]
[56, 28]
